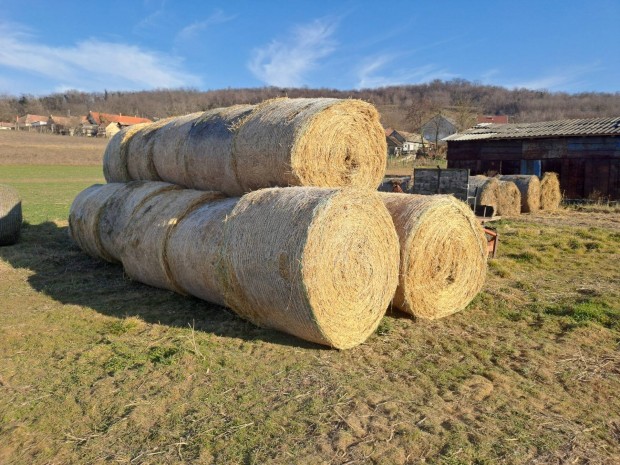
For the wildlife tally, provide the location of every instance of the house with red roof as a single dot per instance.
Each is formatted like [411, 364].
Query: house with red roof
[109, 124]
[32, 122]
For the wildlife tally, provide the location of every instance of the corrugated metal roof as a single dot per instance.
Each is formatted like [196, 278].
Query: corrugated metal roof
[566, 127]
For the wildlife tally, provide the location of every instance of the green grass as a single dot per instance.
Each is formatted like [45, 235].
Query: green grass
[95, 368]
[47, 191]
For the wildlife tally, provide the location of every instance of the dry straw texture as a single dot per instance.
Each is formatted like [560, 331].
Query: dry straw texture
[10, 215]
[281, 142]
[84, 216]
[443, 254]
[509, 199]
[145, 236]
[550, 194]
[486, 191]
[117, 211]
[318, 263]
[529, 186]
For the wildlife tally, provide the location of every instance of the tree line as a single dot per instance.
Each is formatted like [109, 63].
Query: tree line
[403, 107]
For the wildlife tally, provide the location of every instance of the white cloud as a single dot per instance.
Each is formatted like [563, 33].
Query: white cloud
[190, 31]
[567, 79]
[285, 64]
[90, 64]
[375, 72]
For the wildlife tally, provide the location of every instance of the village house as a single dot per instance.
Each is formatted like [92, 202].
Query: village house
[438, 128]
[403, 143]
[65, 125]
[6, 126]
[584, 152]
[109, 124]
[32, 122]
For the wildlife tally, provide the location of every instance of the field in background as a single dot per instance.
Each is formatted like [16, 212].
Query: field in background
[398, 167]
[96, 368]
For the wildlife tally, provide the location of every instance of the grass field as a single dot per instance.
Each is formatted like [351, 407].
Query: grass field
[95, 368]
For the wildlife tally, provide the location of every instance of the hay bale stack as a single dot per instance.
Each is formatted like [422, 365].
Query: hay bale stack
[115, 167]
[529, 186]
[84, 216]
[118, 209]
[486, 190]
[318, 263]
[509, 199]
[145, 236]
[281, 142]
[550, 194]
[10, 215]
[139, 150]
[443, 254]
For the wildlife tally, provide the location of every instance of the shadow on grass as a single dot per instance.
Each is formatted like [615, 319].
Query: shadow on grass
[66, 274]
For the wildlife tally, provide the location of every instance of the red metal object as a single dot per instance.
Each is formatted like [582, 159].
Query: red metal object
[492, 241]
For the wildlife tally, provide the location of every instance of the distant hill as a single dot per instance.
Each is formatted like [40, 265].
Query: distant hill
[403, 107]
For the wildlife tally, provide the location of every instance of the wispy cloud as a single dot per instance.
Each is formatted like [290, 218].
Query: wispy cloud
[152, 20]
[567, 79]
[90, 64]
[394, 69]
[190, 31]
[285, 64]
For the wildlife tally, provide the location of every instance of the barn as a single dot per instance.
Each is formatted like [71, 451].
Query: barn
[584, 152]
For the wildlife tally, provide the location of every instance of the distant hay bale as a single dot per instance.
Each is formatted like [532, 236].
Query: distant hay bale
[529, 186]
[115, 167]
[443, 254]
[145, 236]
[84, 216]
[118, 209]
[509, 199]
[550, 194]
[10, 215]
[318, 263]
[486, 190]
[298, 142]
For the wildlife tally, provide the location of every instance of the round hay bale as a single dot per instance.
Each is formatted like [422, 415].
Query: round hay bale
[550, 194]
[509, 199]
[300, 142]
[84, 216]
[321, 142]
[115, 155]
[486, 191]
[139, 149]
[145, 236]
[10, 215]
[321, 264]
[443, 253]
[194, 250]
[118, 209]
[529, 186]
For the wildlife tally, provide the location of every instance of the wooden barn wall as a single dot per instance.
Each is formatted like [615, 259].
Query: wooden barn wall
[586, 165]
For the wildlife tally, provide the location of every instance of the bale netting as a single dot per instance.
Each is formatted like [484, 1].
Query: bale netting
[321, 142]
[115, 168]
[529, 186]
[118, 210]
[486, 190]
[443, 254]
[550, 194]
[508, 199]
[10, 215]
[318, 263]
[84, 215]
[145, 236]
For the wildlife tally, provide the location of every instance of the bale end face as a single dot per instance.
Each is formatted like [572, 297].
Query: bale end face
[10, 215]
[550, 194]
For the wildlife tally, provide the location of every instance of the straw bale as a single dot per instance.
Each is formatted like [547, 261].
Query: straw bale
[487, 192]
[84, 216]
[443, 254]
[529, 186]
[509, 199]
[10, 215]
[119, 208]
[281, 142]
[139, 151]
[318, 263]
[550, 194]
[146, 234]
[115, 155]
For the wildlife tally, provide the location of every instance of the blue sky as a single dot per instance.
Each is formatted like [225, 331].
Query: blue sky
[568, 45]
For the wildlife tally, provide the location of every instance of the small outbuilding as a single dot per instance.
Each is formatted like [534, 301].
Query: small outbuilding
[584, 152]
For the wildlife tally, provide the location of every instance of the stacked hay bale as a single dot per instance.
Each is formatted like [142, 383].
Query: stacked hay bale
[529, 186]
[485, 189]
[317, 263]
[10, 215]
[443, 254]
[508, 199]
[321, 142]
[550, 194]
